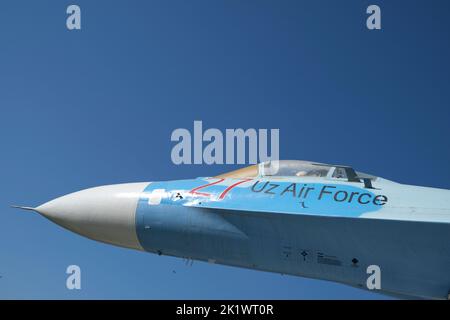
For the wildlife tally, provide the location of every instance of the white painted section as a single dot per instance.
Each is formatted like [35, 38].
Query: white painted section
[105, 213]
[155, 197]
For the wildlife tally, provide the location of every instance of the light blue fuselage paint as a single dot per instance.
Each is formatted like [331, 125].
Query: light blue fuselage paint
[274, 226]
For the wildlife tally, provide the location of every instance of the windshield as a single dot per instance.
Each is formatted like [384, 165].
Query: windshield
[296, 168]
[291, 168]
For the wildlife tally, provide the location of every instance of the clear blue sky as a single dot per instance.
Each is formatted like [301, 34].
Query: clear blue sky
[97, 106]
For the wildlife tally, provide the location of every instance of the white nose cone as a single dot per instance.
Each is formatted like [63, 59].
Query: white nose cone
[105, 214]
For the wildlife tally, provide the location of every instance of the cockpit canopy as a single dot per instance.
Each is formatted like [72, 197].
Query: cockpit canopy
[297, 168]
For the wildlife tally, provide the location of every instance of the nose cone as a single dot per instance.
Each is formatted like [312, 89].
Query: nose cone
[106, 213]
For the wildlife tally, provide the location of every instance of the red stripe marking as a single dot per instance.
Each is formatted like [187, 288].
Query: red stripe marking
[224, 193]
[194, 191]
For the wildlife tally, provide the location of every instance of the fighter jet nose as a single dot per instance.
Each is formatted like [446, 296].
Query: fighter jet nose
[106, 213]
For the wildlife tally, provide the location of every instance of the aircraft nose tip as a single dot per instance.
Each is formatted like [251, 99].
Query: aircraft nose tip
[50, 209]
[104, 213]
